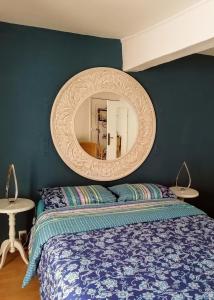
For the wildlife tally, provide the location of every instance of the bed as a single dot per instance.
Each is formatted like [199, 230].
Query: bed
[144, 250]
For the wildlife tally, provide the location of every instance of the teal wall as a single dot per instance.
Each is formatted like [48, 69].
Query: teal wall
[35, 63]
[182, 92]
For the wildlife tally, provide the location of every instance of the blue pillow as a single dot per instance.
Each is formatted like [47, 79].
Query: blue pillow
[75, 195]
[146, 191]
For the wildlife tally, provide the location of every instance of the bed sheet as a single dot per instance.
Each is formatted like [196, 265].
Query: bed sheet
[166, 259]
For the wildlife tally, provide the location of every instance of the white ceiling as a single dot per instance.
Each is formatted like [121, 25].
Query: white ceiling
[104, 18]
[208, 52]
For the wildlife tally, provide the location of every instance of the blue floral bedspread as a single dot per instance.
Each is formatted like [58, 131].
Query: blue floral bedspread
[165, 259]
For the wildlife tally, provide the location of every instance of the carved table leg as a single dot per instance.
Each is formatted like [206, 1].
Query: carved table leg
[5, 247]
[8, 245]
[12, 244]
[12, 232]
[20, 248]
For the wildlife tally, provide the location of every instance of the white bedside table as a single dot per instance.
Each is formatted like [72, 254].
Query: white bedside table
[184, 192]
[11, 209]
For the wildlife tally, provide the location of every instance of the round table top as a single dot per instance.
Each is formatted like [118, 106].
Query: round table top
[184, 192]
[20, 205]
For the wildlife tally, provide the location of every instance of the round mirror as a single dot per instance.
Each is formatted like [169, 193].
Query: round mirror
[103, 124]
[106, 126]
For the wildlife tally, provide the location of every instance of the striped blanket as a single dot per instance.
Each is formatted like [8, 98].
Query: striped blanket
[82, 219]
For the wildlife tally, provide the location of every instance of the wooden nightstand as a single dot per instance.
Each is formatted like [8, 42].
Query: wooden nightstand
[11, 209]
[184, 192]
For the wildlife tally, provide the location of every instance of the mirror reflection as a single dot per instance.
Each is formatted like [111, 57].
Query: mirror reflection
[106, 126]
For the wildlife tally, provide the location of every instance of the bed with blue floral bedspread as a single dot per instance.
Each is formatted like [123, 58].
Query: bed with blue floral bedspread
[162, 250]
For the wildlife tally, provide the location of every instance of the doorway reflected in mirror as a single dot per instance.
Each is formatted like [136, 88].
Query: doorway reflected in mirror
[106, 126]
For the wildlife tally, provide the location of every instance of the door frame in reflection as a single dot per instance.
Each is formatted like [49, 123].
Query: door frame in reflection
[117, 134]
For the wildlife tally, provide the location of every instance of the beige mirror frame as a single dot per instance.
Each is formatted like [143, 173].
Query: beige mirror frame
[82, 86]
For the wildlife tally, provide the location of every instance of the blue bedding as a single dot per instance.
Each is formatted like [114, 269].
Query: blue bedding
[40, 208]
[163, 258]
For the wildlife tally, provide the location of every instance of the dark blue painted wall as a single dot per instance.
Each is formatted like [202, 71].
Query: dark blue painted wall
[35, 63]
[182, 92]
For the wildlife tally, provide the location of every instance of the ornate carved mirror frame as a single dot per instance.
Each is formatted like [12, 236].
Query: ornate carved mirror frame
[71, 96]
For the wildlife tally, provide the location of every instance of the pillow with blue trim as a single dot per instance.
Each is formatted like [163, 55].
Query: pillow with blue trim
[146, 191]
[75, 195]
